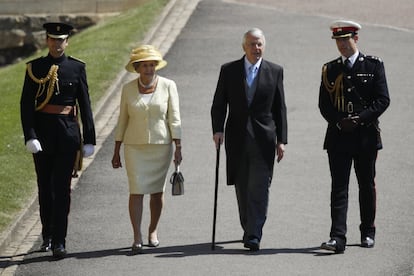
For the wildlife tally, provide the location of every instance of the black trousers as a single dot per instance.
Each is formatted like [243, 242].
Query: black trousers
[340, 165]
[252, 190]
[54, 174]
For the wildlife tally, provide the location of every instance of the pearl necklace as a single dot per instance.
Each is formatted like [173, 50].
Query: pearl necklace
[146, 86]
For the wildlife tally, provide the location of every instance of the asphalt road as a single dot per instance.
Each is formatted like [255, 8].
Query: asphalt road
[297, 38]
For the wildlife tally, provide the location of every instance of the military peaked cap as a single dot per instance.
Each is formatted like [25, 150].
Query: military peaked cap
[57, 29]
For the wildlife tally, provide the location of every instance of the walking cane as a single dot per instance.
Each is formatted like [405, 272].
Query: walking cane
[213, 243]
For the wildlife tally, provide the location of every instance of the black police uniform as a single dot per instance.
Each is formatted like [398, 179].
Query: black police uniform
[59, 135]
[361, 90]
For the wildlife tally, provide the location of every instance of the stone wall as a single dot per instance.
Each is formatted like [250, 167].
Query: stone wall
[22, 35]
[21, 21]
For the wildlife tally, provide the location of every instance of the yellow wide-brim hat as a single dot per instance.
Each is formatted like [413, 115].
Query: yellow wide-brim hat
[145, 53]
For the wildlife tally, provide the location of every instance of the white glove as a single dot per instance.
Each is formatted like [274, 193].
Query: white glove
[33, 146]
[88, 150]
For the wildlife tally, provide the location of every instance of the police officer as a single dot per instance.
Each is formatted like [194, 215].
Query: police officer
[55, 90]
[353, 94]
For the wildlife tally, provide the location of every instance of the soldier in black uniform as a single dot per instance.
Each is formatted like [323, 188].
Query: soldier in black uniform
[353, 94]
[55, 89]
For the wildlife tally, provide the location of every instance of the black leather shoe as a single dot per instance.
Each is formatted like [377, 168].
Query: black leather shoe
[333, 245]
[252, 244]
[46, 245]
[59, 251]
[136, 248]
[367, 242]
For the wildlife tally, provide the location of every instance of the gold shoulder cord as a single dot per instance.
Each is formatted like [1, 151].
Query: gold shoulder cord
[52, 76]
[335, 90]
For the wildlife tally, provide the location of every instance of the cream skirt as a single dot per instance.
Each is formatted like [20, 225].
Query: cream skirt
[147, 166]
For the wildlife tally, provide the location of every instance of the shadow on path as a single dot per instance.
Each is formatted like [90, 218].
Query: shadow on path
[178, 251]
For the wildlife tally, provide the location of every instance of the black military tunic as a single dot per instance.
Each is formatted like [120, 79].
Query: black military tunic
[59, 134]
[364, 92]
[361, 90]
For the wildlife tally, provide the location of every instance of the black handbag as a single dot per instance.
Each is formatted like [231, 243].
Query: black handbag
[177, 181]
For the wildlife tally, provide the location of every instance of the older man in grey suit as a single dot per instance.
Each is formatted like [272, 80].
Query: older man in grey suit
[249, 107]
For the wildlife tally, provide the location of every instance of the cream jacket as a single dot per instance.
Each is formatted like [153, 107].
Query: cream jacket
[157, 122]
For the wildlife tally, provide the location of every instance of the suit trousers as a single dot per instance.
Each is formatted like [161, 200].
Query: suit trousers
[252, 189]
[340, 165]
[54, 175]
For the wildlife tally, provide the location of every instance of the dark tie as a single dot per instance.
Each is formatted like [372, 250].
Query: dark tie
[348, 64]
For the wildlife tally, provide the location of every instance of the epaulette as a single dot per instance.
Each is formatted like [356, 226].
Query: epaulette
[33, 60]
[337, 60]
[374, 58]
[76, 59]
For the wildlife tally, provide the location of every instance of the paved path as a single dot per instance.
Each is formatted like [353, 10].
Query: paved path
[99, 231]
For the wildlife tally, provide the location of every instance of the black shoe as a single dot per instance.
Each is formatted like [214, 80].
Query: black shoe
[252, 244]
[59, 251]
[46, 245]
[136, 248]
[367, 242]
[333, 245]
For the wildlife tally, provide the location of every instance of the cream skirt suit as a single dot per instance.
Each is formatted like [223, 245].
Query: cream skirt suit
[147, 130]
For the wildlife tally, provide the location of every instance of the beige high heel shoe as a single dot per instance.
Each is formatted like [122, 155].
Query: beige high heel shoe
[151, 243]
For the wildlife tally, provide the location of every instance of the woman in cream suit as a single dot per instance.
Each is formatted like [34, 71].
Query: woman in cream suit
[149, 121]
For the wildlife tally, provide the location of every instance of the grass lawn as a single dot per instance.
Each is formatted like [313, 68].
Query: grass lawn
[105, 49]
